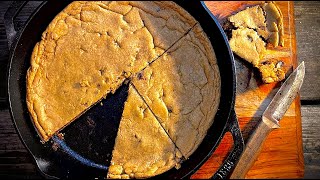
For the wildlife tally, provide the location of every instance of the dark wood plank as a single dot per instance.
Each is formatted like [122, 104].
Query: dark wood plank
[4, 52]
[15, 160]
[9, 136]
[311, 140]
[307, 20]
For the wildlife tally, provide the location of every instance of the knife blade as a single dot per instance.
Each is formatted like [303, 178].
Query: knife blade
[270, 121]
[285, 95]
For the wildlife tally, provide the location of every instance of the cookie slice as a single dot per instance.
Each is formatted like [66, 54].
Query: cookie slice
[247, 44]
[142, 147]
[182, 88]
[166, 21]
[271, 71]
[266, 19]
[252, 18]
[274, 20]
[250, 28]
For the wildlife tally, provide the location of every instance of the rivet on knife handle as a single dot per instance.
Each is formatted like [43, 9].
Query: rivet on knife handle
[270, 120]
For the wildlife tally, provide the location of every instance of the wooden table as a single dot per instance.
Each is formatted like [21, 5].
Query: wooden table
[16, 162]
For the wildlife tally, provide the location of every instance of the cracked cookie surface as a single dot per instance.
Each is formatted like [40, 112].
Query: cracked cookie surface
[247, 44]
[266, 19]
[182, 88]
[89, 49]
[142, 147]
[254, 25]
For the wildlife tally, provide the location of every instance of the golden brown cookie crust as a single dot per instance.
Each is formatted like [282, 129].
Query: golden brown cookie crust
[247, 44]
[274, 20]
[88, 50]
[182, 88]
[266, 19]
[252, 18]
[142, 147]
[272, 70]
[263, 20]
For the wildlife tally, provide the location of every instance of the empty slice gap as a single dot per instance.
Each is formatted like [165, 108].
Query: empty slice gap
[93, 134]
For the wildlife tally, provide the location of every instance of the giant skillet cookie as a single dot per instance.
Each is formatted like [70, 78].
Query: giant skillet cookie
[90, 48]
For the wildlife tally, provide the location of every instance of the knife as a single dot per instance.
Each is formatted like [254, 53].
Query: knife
[270, 121]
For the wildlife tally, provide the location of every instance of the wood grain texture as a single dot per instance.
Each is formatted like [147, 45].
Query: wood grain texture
[4, 50]
[311, 140]
[15, 160]
[253, 147]
[307, 20]
[4, 54]
[282, 154]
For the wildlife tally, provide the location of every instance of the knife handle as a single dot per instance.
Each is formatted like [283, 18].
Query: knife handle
[253, 148]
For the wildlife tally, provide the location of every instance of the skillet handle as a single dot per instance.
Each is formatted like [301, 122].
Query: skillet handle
[9, 17]
[226, 168]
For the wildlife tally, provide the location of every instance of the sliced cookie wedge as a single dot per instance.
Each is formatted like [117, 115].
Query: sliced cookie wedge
[166, 21]
[250, 30]
[247, 44]
[274, 21]
[253, 18]
[142, 148]
[182, 88]
[266, 19]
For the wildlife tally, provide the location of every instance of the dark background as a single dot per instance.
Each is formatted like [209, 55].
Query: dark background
[15, 162]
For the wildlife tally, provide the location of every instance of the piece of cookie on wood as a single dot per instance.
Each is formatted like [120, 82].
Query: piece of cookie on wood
[266, 19]
[250, 30]
[272, 70]
[247, 44]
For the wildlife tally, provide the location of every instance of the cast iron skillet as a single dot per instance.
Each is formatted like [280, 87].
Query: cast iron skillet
[82, 155]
